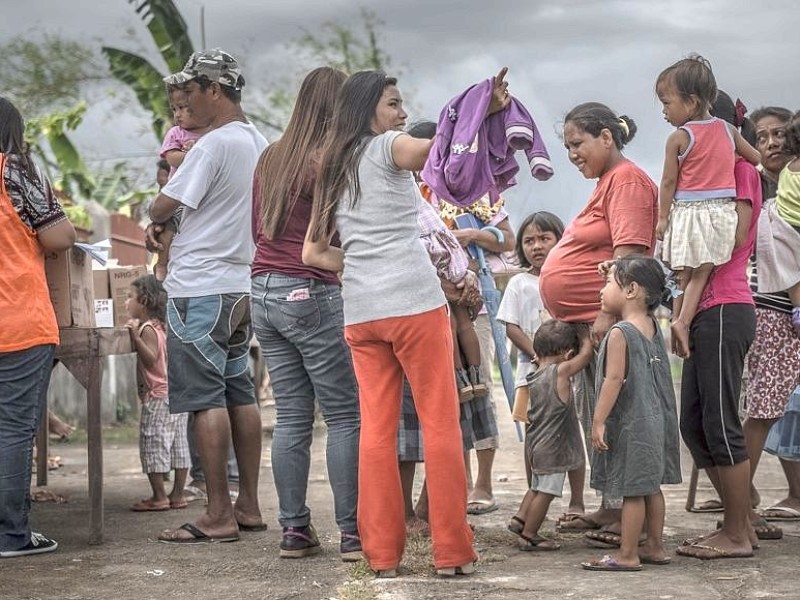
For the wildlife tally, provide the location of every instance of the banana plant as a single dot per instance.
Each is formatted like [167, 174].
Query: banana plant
[170, 34]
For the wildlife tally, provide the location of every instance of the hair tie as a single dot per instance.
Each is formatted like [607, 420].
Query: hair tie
[741, 111]
[624, 127]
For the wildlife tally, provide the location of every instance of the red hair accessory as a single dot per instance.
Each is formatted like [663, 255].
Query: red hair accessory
[741, 111]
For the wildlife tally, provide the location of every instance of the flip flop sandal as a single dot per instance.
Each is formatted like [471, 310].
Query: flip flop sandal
[252, 528]
[483, 506]
[654, 561]
[781, 513]
[591, 524]
[608, 563]
[764, 531]
[711, 552]
[604, 539]
[178, 505]
[516, 525]
[198, 536]
[709, 506]
[538, 544]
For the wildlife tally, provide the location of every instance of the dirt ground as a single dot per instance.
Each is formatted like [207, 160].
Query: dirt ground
[132, 566]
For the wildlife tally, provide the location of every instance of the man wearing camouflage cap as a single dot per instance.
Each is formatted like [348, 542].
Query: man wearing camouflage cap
[208, 283]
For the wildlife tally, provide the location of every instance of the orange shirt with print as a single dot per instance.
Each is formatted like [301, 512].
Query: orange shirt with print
[622, 210]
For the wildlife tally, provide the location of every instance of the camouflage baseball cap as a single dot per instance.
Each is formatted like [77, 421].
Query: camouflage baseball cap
[219, 66]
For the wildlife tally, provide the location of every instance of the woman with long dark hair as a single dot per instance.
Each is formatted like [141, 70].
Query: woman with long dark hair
[395, 315]
[297, 317]
[31, 221]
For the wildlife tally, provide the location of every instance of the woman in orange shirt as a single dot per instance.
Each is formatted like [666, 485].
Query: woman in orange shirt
[619, 219]
[31, 221]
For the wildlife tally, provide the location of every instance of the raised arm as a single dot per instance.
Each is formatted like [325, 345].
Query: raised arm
[743, 147]
[410, 153]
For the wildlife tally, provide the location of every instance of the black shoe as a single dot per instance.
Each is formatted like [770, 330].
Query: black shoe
[38, 544]
[350, 547]
[298, 542]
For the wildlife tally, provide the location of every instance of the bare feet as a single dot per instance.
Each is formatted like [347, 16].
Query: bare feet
[58, 428]
[214, 531]
[717, 545]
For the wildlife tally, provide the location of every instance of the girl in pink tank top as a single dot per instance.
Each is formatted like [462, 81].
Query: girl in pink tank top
[162, 436]
[697, 218]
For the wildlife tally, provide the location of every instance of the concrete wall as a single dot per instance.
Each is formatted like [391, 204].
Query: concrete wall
[67, 398]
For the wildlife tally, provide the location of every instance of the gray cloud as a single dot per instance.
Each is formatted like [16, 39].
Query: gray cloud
[558, 54]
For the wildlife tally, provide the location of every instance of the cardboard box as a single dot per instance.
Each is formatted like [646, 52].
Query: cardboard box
[69, 278]
[104, 312]
[119, 281]
[101, 288]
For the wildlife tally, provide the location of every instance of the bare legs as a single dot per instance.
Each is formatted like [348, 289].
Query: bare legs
[692, 282]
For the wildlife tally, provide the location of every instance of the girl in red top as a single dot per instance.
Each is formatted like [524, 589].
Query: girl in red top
[697, 213]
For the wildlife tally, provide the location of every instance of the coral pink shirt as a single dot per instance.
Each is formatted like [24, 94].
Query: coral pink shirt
[622, 211]
[728, 283]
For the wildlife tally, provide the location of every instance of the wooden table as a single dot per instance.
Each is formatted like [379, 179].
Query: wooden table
[81, 351]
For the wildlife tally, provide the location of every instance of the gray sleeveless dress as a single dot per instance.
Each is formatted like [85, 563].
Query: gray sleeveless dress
[642, 429]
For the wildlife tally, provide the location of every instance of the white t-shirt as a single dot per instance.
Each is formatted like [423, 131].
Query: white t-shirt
[213, 249]
[522, 306]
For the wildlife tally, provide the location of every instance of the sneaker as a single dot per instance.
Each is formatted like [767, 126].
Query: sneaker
[38, 544]
[298, 542]
[465, 392]
[350, 547]
[479, 387]
[796, 319]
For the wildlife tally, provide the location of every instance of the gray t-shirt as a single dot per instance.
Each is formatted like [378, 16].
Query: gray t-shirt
[387, 272]
[213, 249]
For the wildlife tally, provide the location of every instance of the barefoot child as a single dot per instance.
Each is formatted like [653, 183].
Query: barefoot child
[178, 141]
[553, 441]
[697, 213]
[635, 427]
[162, 436]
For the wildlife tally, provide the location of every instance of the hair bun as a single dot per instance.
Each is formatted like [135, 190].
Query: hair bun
[629, 130]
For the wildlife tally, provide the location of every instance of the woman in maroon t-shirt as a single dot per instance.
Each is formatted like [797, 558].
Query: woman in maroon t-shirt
[298, 321]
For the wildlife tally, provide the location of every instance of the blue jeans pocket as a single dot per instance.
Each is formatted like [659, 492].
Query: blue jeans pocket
[299, 316]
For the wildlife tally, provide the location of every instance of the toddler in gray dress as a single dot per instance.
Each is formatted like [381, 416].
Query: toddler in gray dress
[635, 427]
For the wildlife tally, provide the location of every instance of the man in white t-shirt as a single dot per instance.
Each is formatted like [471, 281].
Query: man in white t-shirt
[208, 284]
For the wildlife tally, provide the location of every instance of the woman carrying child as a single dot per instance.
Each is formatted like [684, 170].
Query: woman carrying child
[635, 426]
[697, 212]
[162, 436]
[720, 337]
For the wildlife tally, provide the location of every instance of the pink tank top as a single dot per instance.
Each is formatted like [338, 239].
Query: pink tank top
[706, 166]
[153, 380]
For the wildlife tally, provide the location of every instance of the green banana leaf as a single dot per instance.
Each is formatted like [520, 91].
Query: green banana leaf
[168, 30]
[145, 81]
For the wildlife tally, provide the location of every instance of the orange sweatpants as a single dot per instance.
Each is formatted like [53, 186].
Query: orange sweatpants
[422, 347]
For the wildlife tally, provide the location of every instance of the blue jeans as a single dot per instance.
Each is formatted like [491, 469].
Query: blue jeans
[24, 377]
[307, 357]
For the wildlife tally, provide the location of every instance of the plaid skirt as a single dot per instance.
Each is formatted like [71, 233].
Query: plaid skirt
[700, 232]
[477, 423]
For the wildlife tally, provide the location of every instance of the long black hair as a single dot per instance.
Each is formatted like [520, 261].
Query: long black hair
[12, 138]
[346, 140]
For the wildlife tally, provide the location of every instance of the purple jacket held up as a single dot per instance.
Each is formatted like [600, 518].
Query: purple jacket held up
[473, 155]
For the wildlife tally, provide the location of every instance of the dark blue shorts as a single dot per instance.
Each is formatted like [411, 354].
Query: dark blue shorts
[208, 339]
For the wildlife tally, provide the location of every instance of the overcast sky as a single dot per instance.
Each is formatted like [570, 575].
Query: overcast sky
[559, 53]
